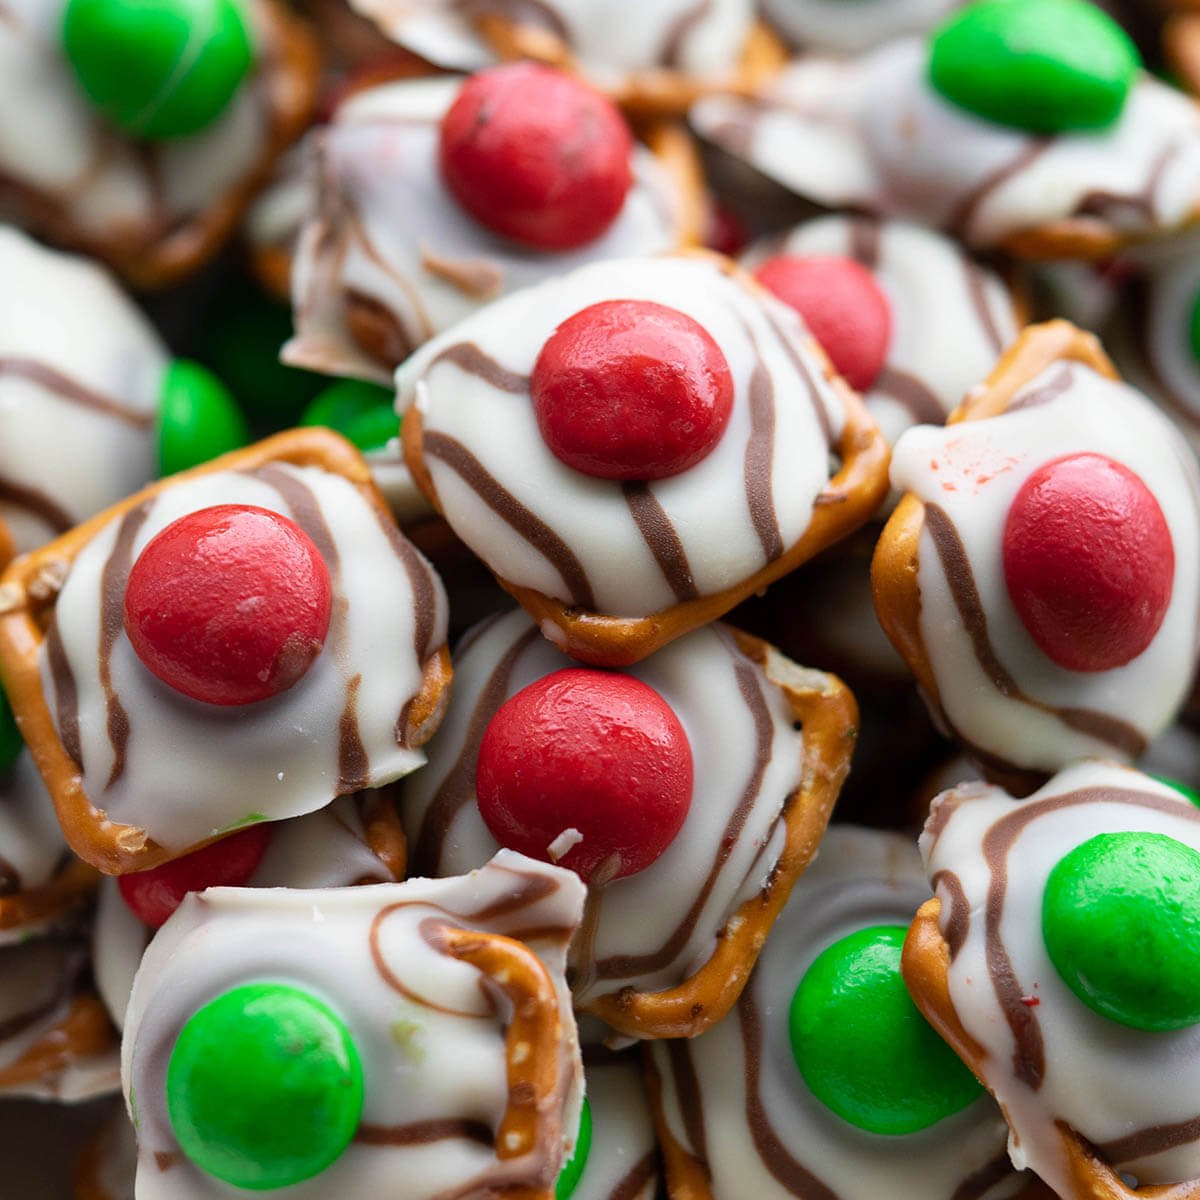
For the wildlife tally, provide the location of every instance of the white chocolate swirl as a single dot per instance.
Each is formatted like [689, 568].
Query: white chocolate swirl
[628, 549]
[184, 770]
[431, 1038]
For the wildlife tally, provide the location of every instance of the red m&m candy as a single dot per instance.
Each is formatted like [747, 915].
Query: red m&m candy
[843, 306]
[536, 155]
[229, 604]
[155, 894]
[591, 751]
[630, 389]
[1088, 561]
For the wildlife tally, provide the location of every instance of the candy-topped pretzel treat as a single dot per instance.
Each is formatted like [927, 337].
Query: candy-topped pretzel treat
[1041, 575]
[433, 196]
[240, 643]
[689, 792]
[109, 147]
[1059, 959]
[637, 446]
[1021, 125]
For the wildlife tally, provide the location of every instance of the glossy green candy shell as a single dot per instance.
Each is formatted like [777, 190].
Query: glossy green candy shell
[1042, 65]
[572, 1172]
[264, 1087]
[11, 742]
[1121, 923]
[158, 69]
[864, 1048]
[197, 418]
[364, 413]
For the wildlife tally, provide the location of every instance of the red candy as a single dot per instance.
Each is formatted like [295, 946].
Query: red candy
[229, 605]
[155, 894]
[1088, 561]
[593, 751]
[725, 233]
[843, 306]
[536, 155]
[629, 389]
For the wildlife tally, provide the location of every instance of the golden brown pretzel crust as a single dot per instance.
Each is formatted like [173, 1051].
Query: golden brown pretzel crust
[828, 716]
[70, 888]
[84, 1031]
[531, 1121]
[654, 93]
[925, 964]
[1181, 43]
[849, 500]
[29, 589]
[894, 566]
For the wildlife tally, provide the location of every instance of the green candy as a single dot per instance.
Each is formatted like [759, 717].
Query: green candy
[364, 413]
[197, 418]
[158, 69]
[572, 1172]
[1042, 65]
[264, 1087]
[11, 742]
[1121, 923]
[241, 336]
[863, 1047]
[1194, 328]
[1188, 793]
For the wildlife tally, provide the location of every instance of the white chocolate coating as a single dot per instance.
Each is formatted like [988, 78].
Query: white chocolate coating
[386, 228]
[633, 549]
[1107, 1081]
[761, 1132]
[951, 316]
[871, 133]
[623, 1162]
[39, 981]
[32, 849]
[187, 769]
[971, 473]
[324, 849]
[431, 1039]
[746, 760]
[839, 28]
[80, 373]
[608, 39]
[56, 150]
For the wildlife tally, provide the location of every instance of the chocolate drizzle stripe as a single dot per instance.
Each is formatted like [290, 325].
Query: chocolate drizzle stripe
[37, 504]
[977, 290]
[66, 694]
[961, 581]
[458, 787]
[980, 1182]
[687, 1092]
[1098, 202]
[624, 966]
[804, 371]
[908, 390]
[679, 31]
[518, 12]
[759, 459]
[1028, 1049]
[10, 878]
[113, 580]
[956, 914]
[510, 510]
[865, 241]
[72, 391]
[353, 764]
[1154, 1139]
[1057, 384]
[960, 217]
[424, 1133]
[661, 537]
[634, 1182]
[469, 358]
[774, 1154]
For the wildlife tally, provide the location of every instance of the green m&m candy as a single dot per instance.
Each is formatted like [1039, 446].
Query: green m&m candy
[11, 742]
[572, 1172]
[1042, 65]
[363, 413]
[264, 1087]
[862, 1045]
[1121, 923]
[197, 418]
[158, 68]
[1194, 328]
